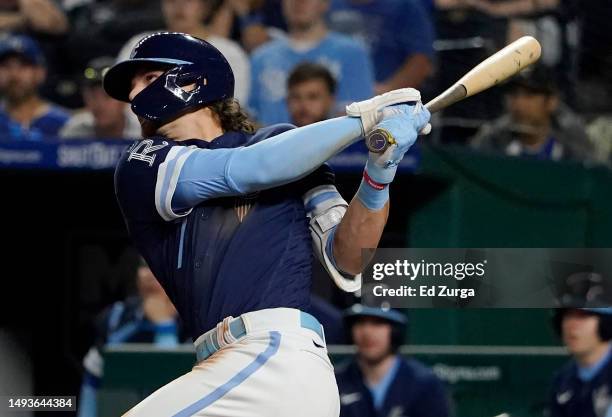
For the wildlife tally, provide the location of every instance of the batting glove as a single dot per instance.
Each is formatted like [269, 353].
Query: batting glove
[403, 122]
[370, 111]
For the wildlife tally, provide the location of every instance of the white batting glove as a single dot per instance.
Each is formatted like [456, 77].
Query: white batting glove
[370, 111]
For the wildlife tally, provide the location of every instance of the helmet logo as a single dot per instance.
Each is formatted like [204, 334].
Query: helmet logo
[182, 86]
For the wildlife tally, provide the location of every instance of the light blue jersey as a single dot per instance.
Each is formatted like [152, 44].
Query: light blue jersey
[273, 62]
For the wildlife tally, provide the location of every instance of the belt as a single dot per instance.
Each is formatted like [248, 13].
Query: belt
[232, 329]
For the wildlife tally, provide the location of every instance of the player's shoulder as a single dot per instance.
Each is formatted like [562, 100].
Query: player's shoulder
[347, 370]
[564, 376]
[416, 370]
[146, 152]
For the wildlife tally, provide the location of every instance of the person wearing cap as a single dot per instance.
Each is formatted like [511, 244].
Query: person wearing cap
[378, 382]
[103, 117]
[537, 124]
[25, 115]
[148, 317]
[583, 387]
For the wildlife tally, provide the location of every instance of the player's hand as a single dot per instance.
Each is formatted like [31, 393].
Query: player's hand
[403, 122]
[370, 111]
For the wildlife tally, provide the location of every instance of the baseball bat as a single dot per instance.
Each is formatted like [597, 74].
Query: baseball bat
[497, 68]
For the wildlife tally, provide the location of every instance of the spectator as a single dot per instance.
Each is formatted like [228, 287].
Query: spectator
[600, 135]
[308, 40]
[378, 382]
[311, 90]
[398, 33]
[149, 317]
[537, 124]
[101, 28]
[103, 117]
[188, 16]
[581, 387]
[25, 115]
[253, 22]
[39, 16]
[593, 90]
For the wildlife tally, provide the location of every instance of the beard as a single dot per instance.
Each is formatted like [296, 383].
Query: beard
[147, 128]
[376, 360]
[14, 93]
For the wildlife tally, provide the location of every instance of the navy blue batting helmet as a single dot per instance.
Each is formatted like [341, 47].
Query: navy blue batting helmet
[187, 61]
[398, 321]
[603, 313]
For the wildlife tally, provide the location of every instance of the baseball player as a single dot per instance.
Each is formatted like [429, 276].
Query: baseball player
[583, 387]
[227, 218]
[378, 382]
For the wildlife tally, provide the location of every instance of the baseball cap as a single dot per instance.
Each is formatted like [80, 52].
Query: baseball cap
[94, 71]
[23, 46]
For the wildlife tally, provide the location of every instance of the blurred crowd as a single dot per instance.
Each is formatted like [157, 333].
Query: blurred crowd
[302, 61]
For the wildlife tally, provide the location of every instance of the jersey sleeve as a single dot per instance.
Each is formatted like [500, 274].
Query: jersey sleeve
[146, 180]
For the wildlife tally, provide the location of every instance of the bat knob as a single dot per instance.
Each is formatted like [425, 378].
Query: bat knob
[378, 140]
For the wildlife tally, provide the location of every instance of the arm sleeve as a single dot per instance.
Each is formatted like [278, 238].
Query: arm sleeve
[279, 160]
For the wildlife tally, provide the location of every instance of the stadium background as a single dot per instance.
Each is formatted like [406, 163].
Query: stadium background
[66, 253]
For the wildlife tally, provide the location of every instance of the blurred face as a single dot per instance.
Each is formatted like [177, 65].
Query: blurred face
[372, 336]
[309, 102]
[19, 80]
[579, 332]
[302, 14]
[531, 109]
[184, 15]
[147, 283]
[107, 111]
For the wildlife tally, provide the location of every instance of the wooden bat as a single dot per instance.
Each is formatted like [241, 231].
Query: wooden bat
[497, 68]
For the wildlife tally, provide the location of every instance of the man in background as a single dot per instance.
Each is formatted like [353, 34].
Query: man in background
[190, 16]
[308, 40]
[583, 386]
[103, 117]
[24, 114]
[537, 124]
[149, 317]
[311, 90]
[398, 34]
[377, 382]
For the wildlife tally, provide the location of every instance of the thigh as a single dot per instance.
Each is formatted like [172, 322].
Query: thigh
[264, 375]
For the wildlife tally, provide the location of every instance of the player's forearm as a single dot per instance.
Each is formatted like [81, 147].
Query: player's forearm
[360, 228]
[291, 155]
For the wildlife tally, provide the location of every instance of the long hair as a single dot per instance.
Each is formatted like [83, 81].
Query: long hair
[232, 117]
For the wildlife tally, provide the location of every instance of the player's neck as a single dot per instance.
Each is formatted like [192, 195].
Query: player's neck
[312, 33]
[200, 124]
[374, 372]
[595, 355]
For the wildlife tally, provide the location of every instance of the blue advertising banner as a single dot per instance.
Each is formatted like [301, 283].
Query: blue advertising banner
[103, 154]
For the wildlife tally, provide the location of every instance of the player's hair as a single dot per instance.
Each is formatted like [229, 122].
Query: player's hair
[310, 71]
[232, 117]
